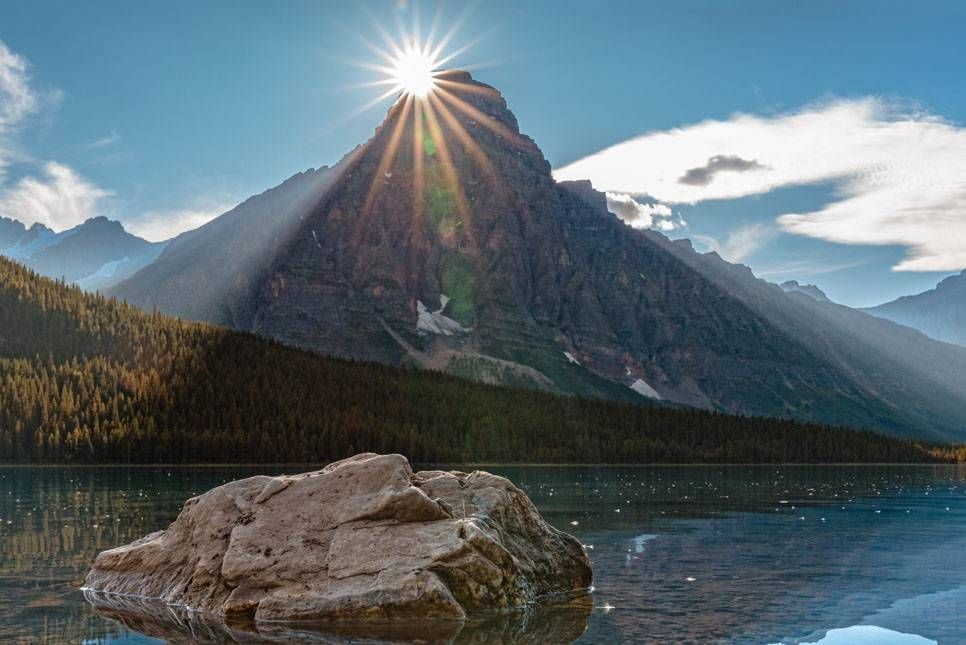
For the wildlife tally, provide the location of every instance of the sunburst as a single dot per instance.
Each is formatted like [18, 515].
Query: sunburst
[430, 120]
[414, 71]
[434, 124]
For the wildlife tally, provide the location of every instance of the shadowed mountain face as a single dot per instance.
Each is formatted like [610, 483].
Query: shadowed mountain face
[445, 242]
[94, 255]
[939, 313]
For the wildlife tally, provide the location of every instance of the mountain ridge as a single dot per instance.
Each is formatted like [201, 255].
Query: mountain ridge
[94, 254]
[939, 313]
[918, 379]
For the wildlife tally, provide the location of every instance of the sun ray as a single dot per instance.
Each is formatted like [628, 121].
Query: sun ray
[360, 110]
[464, 137]
[475, 114]
[442, 81]
[419, 177]
[387, 158]
[450, 173]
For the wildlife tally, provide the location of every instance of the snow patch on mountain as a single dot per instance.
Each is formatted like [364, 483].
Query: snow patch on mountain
[102, 275]
[35, 240]
[434, 322]
[641, 387]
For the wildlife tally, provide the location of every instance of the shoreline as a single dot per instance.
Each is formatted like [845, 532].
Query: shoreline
[490, 464]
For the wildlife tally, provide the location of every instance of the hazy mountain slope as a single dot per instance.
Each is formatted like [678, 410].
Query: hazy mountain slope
[921, 380]
[83, 378]
[209, 273]
[939, 313]
[94, 255]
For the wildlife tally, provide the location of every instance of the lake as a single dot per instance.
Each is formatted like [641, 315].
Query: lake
[731, 554]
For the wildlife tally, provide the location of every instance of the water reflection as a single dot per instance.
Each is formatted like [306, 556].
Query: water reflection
[711, 554]
[869, 635]
[562, 622]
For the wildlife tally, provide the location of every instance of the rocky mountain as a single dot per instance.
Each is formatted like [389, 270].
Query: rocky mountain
[94, 255]
[445, 242]
[919, 379]
[809, 290]
[939, 313]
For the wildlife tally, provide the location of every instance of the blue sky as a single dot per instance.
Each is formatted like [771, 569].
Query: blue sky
[161, 114]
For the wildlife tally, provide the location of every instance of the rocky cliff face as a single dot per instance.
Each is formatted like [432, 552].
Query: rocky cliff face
[939, 313]
[362, 540]
[445, 242]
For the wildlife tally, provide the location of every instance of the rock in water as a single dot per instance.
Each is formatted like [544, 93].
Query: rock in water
[363, 539]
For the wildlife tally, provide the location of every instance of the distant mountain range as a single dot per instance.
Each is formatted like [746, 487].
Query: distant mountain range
[459, 252]
[939, 313]
[94, 255]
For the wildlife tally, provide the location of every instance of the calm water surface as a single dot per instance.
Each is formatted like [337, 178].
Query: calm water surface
[833, 554]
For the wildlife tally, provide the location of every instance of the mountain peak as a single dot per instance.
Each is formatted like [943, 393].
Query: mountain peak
[809, 290]
[37, 227]
[952, 281]
[477, 94]
[102, 224]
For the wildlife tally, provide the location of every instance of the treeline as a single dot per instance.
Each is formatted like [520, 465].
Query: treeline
[86, 379]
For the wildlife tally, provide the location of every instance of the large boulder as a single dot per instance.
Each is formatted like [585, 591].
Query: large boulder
[364, 539]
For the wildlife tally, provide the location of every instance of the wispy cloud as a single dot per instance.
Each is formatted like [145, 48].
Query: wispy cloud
[741, 243]
[104, 142]
[54, 194]
[812, 266]
[643, 215]
[58, 198]
[156, 226]
[899, 171]
[17, 100]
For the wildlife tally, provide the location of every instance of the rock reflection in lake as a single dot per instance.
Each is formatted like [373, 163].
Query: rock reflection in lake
[559, 622]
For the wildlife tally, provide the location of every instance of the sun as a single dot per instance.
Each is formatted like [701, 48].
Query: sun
[413, 69]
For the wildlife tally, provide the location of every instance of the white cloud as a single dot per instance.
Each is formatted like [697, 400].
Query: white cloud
[900, 172]
[741, 243]
[641, 215]
[59, 199]
[17, 99]
[156, 226]
[54, 195]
